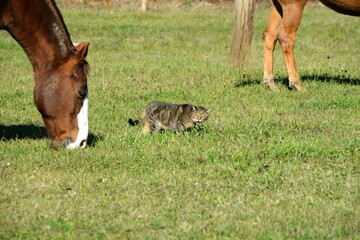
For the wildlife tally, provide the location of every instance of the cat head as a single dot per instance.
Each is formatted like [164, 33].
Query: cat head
[199, 114]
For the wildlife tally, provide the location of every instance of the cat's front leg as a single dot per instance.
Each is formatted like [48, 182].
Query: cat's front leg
[178, 129]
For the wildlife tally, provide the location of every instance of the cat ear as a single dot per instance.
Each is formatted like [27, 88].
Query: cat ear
[193, 108]
[208, 110]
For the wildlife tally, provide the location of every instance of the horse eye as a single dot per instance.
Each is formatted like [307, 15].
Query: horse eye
[82, 93]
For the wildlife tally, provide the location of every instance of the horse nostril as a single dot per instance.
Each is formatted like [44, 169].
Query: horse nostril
[83, 144]
[66, 142]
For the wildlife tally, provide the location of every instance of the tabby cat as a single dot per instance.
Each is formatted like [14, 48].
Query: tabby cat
[166, 116]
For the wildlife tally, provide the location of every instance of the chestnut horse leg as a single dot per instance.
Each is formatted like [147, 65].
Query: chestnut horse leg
[270, 36]
[291, 16]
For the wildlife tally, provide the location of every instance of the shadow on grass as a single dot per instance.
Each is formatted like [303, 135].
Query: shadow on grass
[247, 80]
[31, 131]
[339, 79]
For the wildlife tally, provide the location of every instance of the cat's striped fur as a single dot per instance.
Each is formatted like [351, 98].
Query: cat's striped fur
[166, 116]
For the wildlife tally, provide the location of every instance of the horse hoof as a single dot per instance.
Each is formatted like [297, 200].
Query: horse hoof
[272, 86]
[296, 86]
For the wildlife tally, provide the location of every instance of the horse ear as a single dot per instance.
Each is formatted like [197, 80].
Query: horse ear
[82, 51]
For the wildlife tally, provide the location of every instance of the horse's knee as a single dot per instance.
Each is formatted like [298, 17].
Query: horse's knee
[286, 42]
[269, 41]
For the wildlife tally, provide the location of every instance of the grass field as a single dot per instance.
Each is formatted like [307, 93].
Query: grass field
[266, 165]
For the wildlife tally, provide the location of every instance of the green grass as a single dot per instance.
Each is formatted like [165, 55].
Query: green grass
[266, 165]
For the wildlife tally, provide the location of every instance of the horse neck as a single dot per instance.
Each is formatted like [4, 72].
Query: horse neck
[39, 28]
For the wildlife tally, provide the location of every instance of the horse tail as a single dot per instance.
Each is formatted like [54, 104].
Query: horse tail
[242, 31]
[138, 120]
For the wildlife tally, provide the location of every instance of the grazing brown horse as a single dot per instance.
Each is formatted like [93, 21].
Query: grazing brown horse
[60, 69]
[285, 17]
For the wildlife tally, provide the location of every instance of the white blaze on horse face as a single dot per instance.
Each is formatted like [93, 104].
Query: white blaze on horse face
[83, 126]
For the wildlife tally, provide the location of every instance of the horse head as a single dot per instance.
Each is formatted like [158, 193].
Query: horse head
[61, 96]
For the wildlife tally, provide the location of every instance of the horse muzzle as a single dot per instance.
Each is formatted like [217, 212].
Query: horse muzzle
[68, 144]
[82, 117]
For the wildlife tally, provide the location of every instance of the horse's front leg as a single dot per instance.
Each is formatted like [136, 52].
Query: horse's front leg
[292, 13]
[270, 36]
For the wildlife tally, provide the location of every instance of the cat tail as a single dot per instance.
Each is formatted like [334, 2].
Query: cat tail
[138, 120]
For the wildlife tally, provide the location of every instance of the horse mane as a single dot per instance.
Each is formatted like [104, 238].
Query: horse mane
[56, 12]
